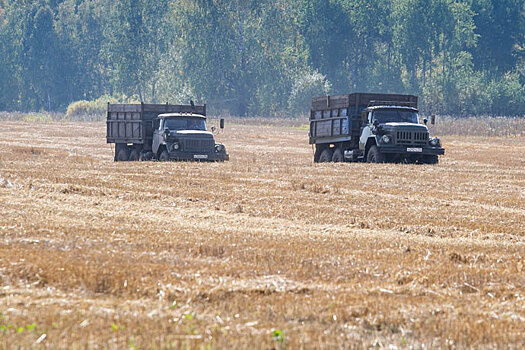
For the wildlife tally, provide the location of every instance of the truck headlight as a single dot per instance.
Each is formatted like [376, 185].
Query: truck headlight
[175, 146]
[434, 142]
[386, 139]
[219, 148]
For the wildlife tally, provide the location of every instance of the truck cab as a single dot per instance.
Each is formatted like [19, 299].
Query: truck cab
[183, 136]
[393, 133]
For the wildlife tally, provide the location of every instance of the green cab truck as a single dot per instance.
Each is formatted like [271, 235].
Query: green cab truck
[162, 132]
[370, 127]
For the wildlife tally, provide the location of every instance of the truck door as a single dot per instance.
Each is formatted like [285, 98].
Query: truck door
[157, 134]
[367, 131]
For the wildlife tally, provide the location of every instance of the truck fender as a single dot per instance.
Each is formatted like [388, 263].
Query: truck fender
[369, 143]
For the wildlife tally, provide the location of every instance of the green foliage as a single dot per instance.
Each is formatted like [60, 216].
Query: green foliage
[261, 57]
[278, 337]
[306, 86]
[135, 36]
[507, 95]
[500, 25]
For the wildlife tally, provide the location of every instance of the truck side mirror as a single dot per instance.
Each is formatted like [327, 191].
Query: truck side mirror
[221, 123]
[433, 119]
[376, 123]
[425, 121]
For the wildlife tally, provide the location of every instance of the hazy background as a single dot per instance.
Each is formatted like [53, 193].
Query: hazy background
[263, 58]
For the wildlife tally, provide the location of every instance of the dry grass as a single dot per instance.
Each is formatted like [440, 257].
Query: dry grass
[265, 251]
[445, 125]
[480, 126]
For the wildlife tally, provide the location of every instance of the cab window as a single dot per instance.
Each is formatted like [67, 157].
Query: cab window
[395, 115]
[185, 124]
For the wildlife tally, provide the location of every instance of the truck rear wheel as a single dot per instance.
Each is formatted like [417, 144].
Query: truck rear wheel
[123, 155]
[338, 155]
[317, 154]
[326, 156]
[374, 156]
[134, 155]
[164, 156]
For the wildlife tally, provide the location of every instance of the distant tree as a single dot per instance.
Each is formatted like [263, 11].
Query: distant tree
[7, 95]
[306, 86]
[263, 57]
[238, 54]
[328, 36]
[79, 26]
[133, 42]
[501, 27]
[34, 55]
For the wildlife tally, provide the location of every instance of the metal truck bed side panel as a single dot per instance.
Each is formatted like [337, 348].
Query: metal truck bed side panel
[125, 126]
[357, 99]
[160, 108]
[124, 108]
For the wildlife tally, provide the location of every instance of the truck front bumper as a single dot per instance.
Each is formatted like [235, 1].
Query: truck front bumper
[411, 150]
[199, 157]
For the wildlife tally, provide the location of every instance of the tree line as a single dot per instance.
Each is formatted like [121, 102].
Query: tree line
[263, 57]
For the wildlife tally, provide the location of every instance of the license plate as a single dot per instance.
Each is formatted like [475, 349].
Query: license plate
[200, 156]
[416, 149]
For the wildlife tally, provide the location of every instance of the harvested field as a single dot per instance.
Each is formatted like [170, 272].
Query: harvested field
[266, 251]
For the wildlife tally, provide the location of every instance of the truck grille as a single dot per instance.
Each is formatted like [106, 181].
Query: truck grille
[193, 145]
[412, 138]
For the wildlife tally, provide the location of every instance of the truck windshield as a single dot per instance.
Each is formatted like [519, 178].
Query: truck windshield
[185, 124]
[395, 116]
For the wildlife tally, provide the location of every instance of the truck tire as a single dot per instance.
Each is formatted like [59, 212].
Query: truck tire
[147, 155]
[164, 156]
[134, 155]
[123, 155]
[374, 156]
[431, 159]
[326, 156]
[338, 155]
[317, 154]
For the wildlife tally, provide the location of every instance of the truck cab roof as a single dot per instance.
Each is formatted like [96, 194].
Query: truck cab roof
[373, 108]
[180, 115]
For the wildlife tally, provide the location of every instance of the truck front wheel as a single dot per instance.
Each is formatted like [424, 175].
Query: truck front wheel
[326, 156]
[164, 156]
[374, 156]
[430, 159]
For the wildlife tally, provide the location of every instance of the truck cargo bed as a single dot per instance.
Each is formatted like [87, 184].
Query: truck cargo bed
[131, 123]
